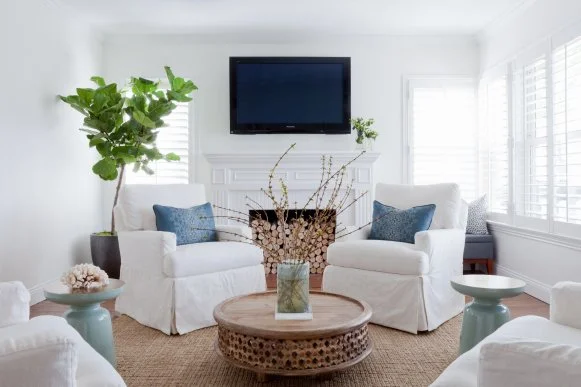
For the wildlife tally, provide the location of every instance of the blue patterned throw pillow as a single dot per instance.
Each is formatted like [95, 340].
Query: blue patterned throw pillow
[191, 225]
[392, 224]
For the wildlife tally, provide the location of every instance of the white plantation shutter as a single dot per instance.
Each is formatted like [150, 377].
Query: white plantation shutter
[442, 134]
[531, 135]
[174, 137]
[494, 123]
[567, 132]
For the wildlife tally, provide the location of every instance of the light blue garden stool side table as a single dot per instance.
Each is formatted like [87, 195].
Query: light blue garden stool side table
[485, 313]
[87, 316]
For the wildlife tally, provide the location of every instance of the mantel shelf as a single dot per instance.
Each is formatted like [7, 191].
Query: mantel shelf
[236, 177]
[292, 157]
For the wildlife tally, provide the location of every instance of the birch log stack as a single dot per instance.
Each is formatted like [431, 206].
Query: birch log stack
[321, 238]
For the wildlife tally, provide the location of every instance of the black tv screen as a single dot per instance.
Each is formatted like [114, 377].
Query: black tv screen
[290, 95]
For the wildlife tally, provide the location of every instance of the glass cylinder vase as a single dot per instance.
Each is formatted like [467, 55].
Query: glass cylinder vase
[292, 287]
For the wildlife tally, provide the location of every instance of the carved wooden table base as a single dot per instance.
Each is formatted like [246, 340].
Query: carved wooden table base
[335, 339]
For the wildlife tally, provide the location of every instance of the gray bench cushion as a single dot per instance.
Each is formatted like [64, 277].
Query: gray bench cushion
[479, 246]
[474, 238]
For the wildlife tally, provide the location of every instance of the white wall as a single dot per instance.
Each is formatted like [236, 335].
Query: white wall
[538, 260]
[377, 65]
[542, 18]
[49, 199]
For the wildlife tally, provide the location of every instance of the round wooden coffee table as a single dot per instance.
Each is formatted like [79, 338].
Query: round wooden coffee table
[336, 338]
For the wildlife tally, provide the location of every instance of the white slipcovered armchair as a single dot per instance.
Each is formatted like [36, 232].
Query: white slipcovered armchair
[529, 351]
[45, 350]
[407, 285]
[175, 288]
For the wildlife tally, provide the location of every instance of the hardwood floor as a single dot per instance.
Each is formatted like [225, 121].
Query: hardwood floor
[519, 306]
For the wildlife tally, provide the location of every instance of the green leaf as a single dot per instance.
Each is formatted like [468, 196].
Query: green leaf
[106, 169]
[104, 149]
[172, 157]
[90, 131]
[177, 84]
[152, 153]
[85, 96]
[188, 87]
[128, 159]
[98, 80]
[159, 109]
[140, 117]
[74, 102]
[100, 99]
[101, 126]
[97, 139]
[136, 167]
[175, 96]
[170, 76]
[138, 102]
[111, 91]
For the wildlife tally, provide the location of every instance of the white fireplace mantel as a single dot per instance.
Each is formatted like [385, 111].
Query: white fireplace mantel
[239, 176]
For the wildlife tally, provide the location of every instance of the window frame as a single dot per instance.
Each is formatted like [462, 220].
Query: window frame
[409, 83]
[553, 229]
[488, 78]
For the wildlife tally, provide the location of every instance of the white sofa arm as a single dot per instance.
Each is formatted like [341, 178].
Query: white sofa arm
[234, 233]
[14, 303]
[445, 247]
[38, 353]
[351, 233]
[145, 250]
[528, 364]
[565, 304]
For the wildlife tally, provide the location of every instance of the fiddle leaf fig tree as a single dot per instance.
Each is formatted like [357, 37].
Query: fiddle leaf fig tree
[123, 126]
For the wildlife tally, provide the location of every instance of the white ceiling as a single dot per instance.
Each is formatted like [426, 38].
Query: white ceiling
[390, 17]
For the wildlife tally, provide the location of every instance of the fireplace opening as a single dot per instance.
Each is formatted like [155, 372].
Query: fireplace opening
[265, 225]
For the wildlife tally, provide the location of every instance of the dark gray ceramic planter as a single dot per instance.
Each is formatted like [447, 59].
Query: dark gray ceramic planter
[105, 253]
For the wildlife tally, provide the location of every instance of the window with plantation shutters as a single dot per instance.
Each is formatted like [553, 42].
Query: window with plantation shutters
[531, 135]
[442, 133]
[174, 137]
[567, 132]
[494, 124]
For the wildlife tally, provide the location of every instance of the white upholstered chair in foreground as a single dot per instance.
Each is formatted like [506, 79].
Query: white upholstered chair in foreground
[529, 351]
[45, 350]
[407, 285]
[175, 288]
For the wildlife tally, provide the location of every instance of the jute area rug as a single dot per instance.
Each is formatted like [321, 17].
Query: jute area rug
[147, 357]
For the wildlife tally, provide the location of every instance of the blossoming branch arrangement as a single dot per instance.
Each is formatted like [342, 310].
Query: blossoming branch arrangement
[85, 277]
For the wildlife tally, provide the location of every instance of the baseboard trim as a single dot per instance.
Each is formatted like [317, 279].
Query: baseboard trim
[37, 292]
[534, 287]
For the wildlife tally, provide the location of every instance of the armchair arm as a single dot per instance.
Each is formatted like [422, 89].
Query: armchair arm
[565, 307]
[528, 363]
[354, 234]
[234, 233]
[445, 247]
[144, 250]
[14, 303]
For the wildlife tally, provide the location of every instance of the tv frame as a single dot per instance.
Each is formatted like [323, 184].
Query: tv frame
[273, 128]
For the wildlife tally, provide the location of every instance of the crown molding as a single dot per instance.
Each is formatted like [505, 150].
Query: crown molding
[501, 21]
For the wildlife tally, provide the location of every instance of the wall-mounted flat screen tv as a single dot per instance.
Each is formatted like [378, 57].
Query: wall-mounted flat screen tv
[290, 95]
